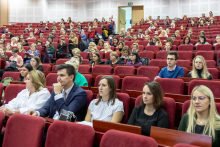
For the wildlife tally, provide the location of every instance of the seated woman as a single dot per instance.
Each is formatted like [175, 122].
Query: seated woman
[202, 40]
[182, 28]
[149, 112]
[135, 47]
[31, 36]
[79, 58]
[217, 39]
[177, 33]
[25, 68]
[126, 52]
[93, 50]
[163, 34]
[135, 59]
[32, 98]
[115, 42]
[173, 25]
[73, 41]
[3, 54]
[8, 47]
[2, 43]
[107, 48]
[147, 38]
[96, 59]
[20, 47]
[36, 63]
[33, 51]
[152, 26]
[107, 107]
[128, 35]
[62, 48]
[13, 41]
[212, 22]
[101, 43]
[75, 51]
[41, 36]
[50, 48]
[169, 39]
[15, 58]
[202, 117]
[186, 41]
[199, 69]
[120, 46]
[91, 46]
[39, 43]
[135, 38]
[80, 80]
[155, 41]
[168, 46]
[192, 24]
[202, 23]
[140, 34]
[114, 59]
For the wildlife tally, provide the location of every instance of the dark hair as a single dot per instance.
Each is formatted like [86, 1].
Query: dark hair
[157, 93]
[39, 41]
[15, 50]
[116, 39]
[185, 39]
[26, 30]
[11, 35]
[70, 70]
[169, 39]
[202, 36]
[122, 36]
[50, 38]
[137, 57]
[98, 55]
[29, 68]
[25, 40]
[112, 86]
[173, 35]
[173, 53]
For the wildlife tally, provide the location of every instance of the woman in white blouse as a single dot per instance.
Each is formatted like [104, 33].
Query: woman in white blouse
[107, 107]
[32, 98]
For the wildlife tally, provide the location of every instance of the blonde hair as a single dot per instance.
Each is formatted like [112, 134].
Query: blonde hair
[213, 120]
[37, 59]
[172, 24]
[165, 33]
[158, 40]
[93, 44]
[38, 79]
[205, 73]
[74, 62]
[76, 51]
[136, 46]
[114, 54]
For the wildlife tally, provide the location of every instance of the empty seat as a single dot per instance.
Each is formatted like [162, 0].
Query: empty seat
[212, 85]
[73, 134]
[133, 83]
[20, 129]
[125, 98]
[88, 78]
[183, 63]
[158, 62]
[47, 67]
[161, 55]
[208, 55]
[217, 47]
[125, 70]
[185, 47]
[61, 61]
[84, 55]
[185, 55]
[85, 61]
[169, 106]
[204, 47]
[175, 86]
[210, 63]
[116, 77]
[114, 138]
[84, 68]
[102, 69]
[148, 71]
[147, 54]
[152, 48]
[51, 78]
[13, 75]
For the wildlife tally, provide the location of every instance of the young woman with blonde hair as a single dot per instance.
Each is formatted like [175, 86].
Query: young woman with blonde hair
[202, 116]
[199, 69]
[155, 41]
[107, 47]
[163, 34]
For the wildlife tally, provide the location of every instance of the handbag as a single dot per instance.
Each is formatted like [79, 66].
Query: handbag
[67, 116]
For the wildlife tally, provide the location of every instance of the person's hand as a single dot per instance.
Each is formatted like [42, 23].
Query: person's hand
[7, 111]
[31, 112]
[31, 54]
[156, 77]
[57, 88]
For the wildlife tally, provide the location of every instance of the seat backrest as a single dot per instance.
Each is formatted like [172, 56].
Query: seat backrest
[102, 69]
[185, 55]
[84, 68]
[61, 61]
[47, 67]
[84, 55]
[157, 62]
[133, 83]
[88, 78]
[174, 86]
[210, 63]
[147, 54]
[113, 138]
[125, 98]
[169, 106]
[212, 85]
[116, 77]
[12, 90]
[208, 55]
[129, 70]
[185, 47]
[89, 96]
[148, 71]
[213, 72]
[73, 134]
[204, 47]
[161, 55]
[184, 145]
[184, 63]
[15, 130]
[152, 48]
[51, 78]
[13, 75]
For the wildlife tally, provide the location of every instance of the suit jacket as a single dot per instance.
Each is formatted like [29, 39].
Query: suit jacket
[76, 102]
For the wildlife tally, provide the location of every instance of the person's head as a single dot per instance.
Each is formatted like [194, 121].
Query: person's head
[177, 33]
[203, 14]
[6, 30]
[15, 52]
[190, 31]
[168, 30]
[173, 36]
[115, 40]
[184, 17]
[172, 58]
[152, 95]
[62, 20]
[212, 22]
[135, 57]
[91, 45]
[121, 45]
[8, 46]
[2, 52]
[158, 17]
[168, 46]
[199, 63]
[35, 62]
[51, 34]
[78, 57]
[35, 80]
[96, 57]
[33, 47]
[3, 36]
[39, 43]
[25, 68]
[75, 51]
[41, 36]
[22, 36]
[192, 23]
[202, 39]
[48, 43]
[122, 30]
[186, 40]
[113, 56]
[74, 62]
[135, 37]
[210, 14]
[142, 20]
[20, 46]
[72, 35]
[135, 47]
[50, 39]
[161, 28]
[202, 102]
[66, 75]
[54, 23]
[140, 32]
[54, 28]
[147, 37]
[202, 33]
[122, 37]
[2, 41]
[26, 31]
[126, 52]
[13, 40]
[172, 25]
[24, 42]
[218, 39]
[201, 22]
[101, 43]
[106, 46]
[169, 39]
[164, 33]
[182, 27]
[31, 34]
[41, 22]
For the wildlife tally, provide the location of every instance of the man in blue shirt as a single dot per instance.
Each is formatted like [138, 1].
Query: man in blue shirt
[172, 70]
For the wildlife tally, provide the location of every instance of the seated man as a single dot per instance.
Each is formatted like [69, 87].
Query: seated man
[65, 95]
[172, 70]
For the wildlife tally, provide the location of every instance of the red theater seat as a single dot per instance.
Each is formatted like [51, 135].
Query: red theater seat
[125, 98]
[51, 78]
[13, 75]
[102, 69]
[47, 67]
[213, 72]
[125, 70]
[147, 54]
[208, 55]
[148, 71]
[88, 78]
[61, 61]
[84, 68]
[185, 47]
[204, 47]
[185, 55]
[158, 62]
[184, 145]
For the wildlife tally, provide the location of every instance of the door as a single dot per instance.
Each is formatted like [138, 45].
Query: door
[122, 19]
[137, 14]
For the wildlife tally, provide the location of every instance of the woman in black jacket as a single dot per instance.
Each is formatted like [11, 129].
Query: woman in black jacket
[36, 63]
[96, 59]
[114, 59]
[25, 68]
[62, 48]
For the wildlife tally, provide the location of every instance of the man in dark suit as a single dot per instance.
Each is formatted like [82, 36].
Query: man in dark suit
[65, 95]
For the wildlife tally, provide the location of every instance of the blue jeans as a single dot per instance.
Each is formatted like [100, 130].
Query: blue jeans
[50, 55]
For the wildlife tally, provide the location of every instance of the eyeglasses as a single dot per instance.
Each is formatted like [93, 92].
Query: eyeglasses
[170, 59]
[200, 98]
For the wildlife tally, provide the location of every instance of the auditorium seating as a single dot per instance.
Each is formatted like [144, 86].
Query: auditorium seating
[208, 55]
[124, 97]
[84, 68]
[125, 70]
[88, 78]
[23, 131]
[72, 135]
[148, 71]
[13, 75]
[51, 78]
[113, 138]
[102, 69]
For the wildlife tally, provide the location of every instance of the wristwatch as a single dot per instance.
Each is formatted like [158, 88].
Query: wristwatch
[13, 111]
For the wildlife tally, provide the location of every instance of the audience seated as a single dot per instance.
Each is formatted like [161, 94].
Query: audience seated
[20, 47]
[135, 47]
[50, 48]
[115, 41]
[168, 46]
[202, 40]
[172, 70]
[126, 52]
[25, 69]
[114, 59]
[36, 63]
[134, 59]
[31, 36]
[3, 54]
[13, 41]
[202, 117]
[199, 69]
[61, 49]
[91, 46]
[135, 38]
[186, 41]
[155, 41]
[107, 107]
[33, 51]
[96, 59]
[217, 39]
[149, 112]
[120, 46]
[107, 48]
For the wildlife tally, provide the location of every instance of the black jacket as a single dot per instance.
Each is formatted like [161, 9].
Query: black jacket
[118, 62]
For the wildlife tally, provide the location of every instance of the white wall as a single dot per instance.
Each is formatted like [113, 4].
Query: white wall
[87, 10]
